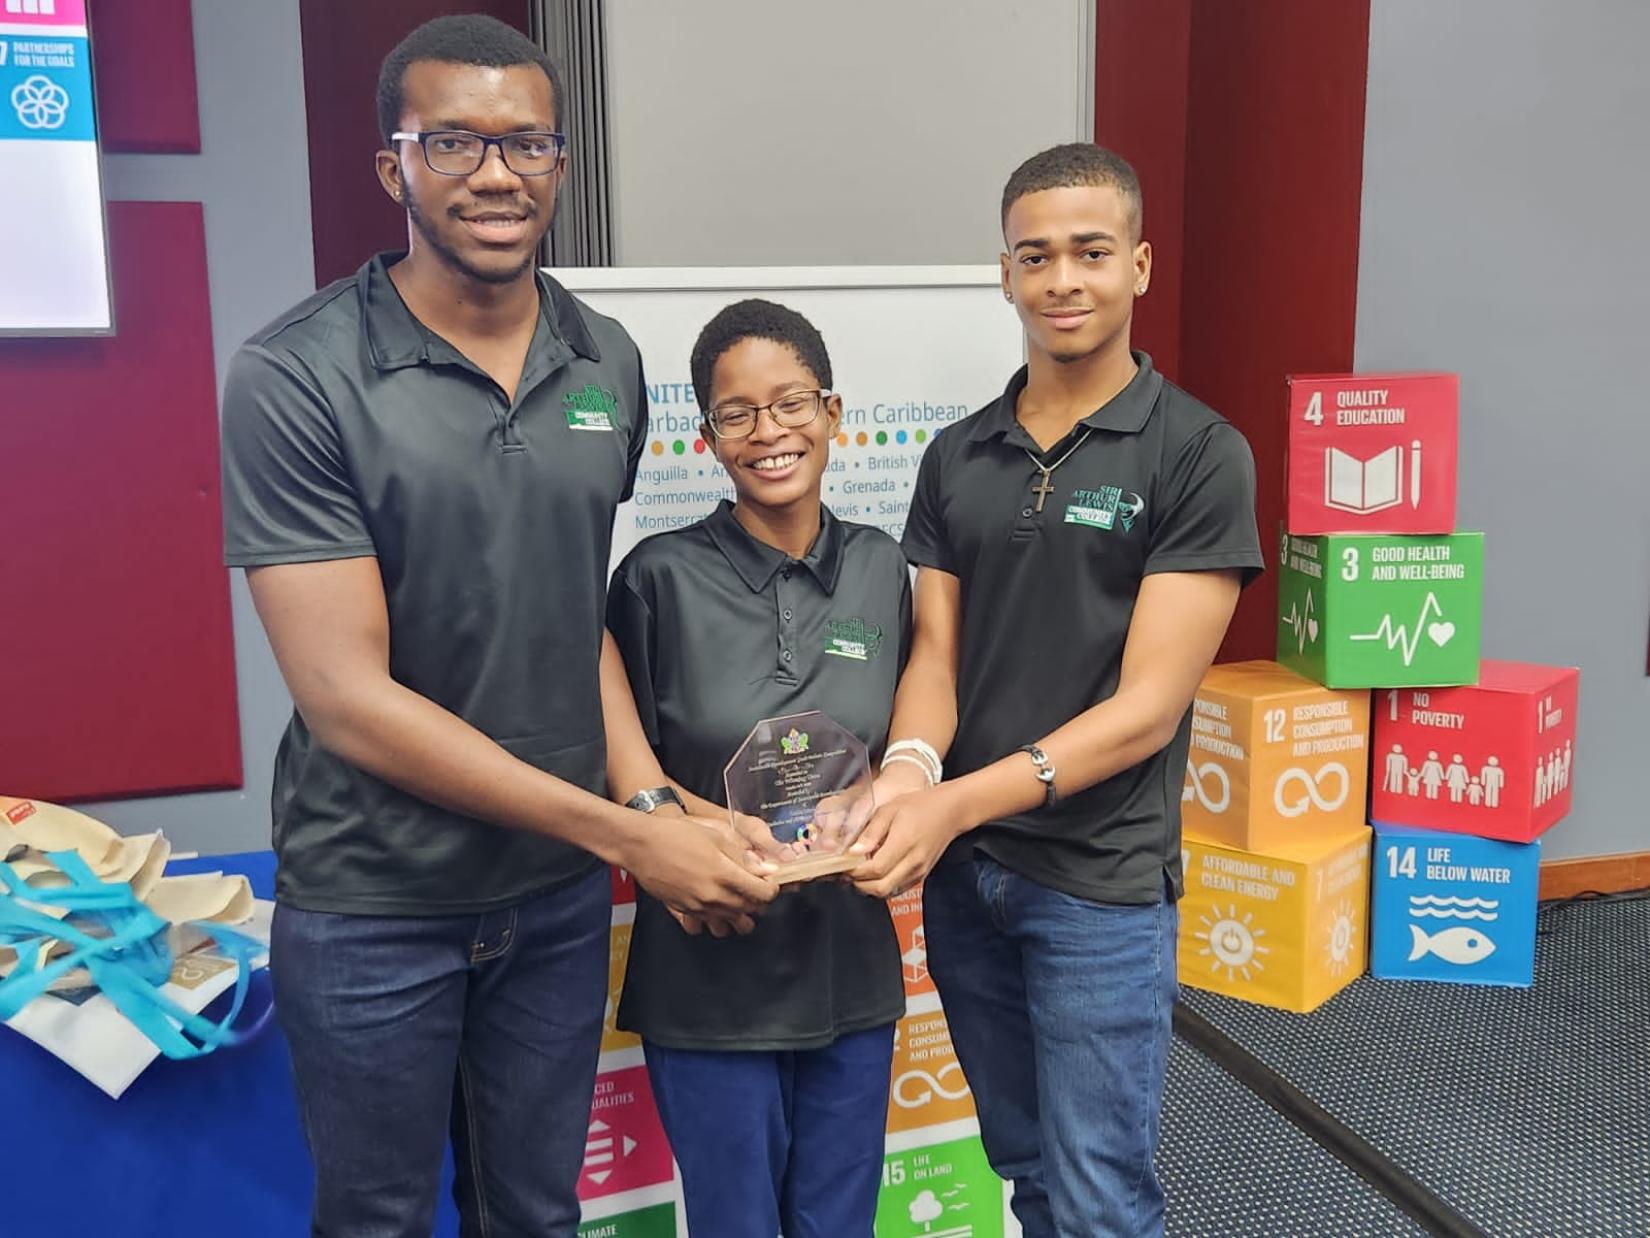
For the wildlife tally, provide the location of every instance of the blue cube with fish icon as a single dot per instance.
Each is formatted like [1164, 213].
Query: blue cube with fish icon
[1453, 908]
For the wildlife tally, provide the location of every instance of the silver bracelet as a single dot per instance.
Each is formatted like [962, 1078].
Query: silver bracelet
[1045, 771]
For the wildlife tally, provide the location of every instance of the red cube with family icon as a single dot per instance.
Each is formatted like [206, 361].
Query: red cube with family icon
[1493, 759]
[1372, 453]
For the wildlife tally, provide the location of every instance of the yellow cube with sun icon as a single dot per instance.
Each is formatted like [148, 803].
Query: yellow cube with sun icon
[1288, 927]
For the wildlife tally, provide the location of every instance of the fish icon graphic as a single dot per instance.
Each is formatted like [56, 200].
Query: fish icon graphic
[1463, 946]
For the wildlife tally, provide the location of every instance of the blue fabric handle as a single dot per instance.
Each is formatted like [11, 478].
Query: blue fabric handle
[123, 947]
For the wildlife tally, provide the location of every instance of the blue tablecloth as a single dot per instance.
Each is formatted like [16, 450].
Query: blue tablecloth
[203, 1149]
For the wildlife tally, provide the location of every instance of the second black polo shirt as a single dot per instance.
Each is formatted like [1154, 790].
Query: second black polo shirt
[719, 631]
[1160, 483]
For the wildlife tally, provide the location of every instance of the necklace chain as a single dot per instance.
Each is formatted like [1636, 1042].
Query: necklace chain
[1046, 469]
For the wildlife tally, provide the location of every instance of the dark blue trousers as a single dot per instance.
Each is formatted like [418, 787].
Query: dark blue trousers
[407, 1030]
[778, 1142]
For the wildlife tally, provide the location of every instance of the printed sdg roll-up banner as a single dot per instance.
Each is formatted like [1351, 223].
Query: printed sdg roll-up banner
[944, 1190]
[933, 1160]
[895, 400]
[56, 268]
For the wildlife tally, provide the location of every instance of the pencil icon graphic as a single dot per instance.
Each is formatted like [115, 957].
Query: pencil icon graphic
[1415, 473]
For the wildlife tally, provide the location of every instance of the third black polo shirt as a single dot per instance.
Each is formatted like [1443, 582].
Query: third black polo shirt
[1160, 484]
[719, 631]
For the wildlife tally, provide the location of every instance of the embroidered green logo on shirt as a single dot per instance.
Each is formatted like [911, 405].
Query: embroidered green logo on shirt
[794, 743]
[853, 638]
[1105, 507]
[591, 408]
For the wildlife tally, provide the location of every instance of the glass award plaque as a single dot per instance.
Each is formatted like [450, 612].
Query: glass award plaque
[807, 780]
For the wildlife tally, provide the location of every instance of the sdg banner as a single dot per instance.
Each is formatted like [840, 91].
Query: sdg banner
[913, 349]
[51, 196]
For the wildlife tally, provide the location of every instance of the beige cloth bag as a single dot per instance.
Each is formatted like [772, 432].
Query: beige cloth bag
[31, 829]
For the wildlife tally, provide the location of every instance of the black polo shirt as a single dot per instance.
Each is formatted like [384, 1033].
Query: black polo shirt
[719, 631]
[350, 429]
[1161, 484]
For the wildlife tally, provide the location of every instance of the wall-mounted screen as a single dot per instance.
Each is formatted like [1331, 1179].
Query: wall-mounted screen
[54, 253]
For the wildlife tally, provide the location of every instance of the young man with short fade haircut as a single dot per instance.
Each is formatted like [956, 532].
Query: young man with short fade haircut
[1074, 165]
[1081, 543]
[421, 468]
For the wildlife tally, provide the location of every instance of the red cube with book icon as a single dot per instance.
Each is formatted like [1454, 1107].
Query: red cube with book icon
[1493, 759]
[1372, 453]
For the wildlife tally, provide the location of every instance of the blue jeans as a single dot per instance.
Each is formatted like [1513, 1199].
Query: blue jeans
[1059, 1009]
[406, 1029]
[778, 1142]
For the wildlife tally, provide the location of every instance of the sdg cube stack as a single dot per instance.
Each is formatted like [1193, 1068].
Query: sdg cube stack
[1377, 589]
[1275, 849]
[1464, 781]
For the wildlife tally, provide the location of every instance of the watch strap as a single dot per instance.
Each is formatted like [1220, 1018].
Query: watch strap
[650, 798]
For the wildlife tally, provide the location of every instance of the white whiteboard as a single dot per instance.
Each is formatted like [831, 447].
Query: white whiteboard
[912, 349]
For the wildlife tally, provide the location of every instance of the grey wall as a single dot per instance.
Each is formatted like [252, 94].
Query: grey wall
[1506, 177]
[253, 177]
[758, 132]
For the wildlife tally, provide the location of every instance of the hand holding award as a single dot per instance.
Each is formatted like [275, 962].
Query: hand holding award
[808, 780]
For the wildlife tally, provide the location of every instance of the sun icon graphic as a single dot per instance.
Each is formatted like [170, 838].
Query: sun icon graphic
[1343, 928]
[1233, 943]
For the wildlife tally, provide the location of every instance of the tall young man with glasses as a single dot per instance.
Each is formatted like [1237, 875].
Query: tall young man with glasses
[421, 468]
[1081, 542]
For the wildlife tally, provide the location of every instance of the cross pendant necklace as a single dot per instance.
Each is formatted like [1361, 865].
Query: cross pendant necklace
[1044, 487]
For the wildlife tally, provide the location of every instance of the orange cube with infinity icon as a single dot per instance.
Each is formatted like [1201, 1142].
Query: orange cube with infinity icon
[927, 1087]
[1274, 758]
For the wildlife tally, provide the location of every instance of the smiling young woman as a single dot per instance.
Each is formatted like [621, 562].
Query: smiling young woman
[769, 1053]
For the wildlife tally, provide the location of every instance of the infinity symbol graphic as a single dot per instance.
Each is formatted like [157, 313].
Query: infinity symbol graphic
[930, 1085]
[1196, 776]
[1312, 785]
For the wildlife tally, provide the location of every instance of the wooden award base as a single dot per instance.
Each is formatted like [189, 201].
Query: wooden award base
[824, 866]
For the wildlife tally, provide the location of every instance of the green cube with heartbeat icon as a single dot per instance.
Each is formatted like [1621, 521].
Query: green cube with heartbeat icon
[1381, 611]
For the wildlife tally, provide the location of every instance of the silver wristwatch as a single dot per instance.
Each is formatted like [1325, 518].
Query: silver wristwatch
[649, 799]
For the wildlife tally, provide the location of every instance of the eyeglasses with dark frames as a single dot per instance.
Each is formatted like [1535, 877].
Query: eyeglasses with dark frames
[458, 152]
[792, 411]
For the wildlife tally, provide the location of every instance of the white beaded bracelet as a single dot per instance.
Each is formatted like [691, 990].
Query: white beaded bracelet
[923, 749]
[889, 758]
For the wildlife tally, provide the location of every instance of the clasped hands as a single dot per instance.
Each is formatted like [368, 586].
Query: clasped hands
[716, 874]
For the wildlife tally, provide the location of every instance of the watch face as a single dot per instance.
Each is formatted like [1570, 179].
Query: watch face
[650, 799]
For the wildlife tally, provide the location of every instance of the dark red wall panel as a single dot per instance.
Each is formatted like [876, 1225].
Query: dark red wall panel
[143, 56]
[1142, 58]
[117, 662]
[344, 45]
[1274, 179]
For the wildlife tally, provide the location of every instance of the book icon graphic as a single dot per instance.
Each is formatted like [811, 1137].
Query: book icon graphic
[1372, 485]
